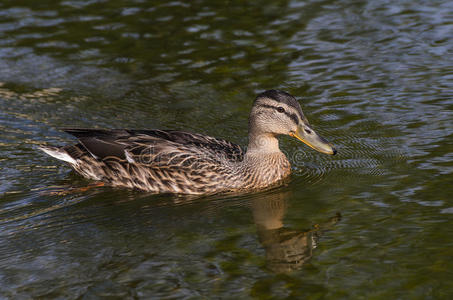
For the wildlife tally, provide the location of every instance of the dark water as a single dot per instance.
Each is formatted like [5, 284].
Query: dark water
[375, 77]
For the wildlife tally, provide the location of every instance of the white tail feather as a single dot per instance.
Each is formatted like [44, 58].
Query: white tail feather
[58, 154]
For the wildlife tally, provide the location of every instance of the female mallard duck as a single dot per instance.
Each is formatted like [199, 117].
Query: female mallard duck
[169, 161]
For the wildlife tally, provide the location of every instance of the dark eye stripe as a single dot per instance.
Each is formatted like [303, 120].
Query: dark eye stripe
[290, 115]
[293, 117]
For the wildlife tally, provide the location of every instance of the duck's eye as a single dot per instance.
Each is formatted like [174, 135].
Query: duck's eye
[280, 109]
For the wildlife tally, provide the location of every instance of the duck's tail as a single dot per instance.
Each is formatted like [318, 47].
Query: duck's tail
[58, 153]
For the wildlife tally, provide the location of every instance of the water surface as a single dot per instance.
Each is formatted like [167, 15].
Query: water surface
[374, 77]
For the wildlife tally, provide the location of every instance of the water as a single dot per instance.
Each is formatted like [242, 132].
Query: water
[374, 77]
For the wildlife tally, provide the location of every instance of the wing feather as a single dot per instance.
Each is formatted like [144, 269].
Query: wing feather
[156, 147]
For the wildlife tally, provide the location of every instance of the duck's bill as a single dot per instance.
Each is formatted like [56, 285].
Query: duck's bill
[308, 136]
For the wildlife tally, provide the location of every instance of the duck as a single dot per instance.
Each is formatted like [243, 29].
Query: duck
[180, 162]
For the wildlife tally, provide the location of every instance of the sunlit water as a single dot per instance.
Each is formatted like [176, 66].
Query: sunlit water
[374, 77]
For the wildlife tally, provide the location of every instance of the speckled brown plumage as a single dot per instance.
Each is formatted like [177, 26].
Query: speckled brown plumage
[169, 161]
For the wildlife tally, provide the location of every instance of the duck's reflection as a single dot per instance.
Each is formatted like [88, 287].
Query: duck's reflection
[286, 249]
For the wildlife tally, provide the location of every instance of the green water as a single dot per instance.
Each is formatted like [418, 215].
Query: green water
[374, 77]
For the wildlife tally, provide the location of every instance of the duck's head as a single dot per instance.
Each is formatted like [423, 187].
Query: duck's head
[276, 112]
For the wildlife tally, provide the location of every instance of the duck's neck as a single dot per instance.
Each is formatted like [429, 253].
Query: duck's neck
[264, 143]
[264, 163]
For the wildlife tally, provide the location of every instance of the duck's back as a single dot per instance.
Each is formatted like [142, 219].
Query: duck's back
[153, 160]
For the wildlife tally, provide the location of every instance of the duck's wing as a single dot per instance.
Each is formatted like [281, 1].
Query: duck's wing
[154, 147]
